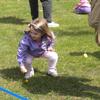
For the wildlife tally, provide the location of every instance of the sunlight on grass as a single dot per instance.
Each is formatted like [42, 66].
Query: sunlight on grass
[79, 76]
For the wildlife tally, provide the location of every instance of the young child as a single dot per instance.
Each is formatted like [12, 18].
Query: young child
[37, 42]
[83, 7]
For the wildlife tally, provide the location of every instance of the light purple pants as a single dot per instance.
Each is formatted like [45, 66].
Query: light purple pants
[51, 56]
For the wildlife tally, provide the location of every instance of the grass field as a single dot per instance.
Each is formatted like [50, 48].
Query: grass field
[79, 77]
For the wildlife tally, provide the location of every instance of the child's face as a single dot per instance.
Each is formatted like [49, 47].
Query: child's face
[35, 35]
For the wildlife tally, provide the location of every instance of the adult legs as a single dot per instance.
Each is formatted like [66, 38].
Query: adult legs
[94, 18]
[98, 34]
[34, 8]
[47, 9]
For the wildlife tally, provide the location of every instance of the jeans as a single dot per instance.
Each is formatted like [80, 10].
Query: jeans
[51, 56]
[47, 9]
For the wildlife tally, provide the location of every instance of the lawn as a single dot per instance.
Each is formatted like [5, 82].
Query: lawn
[79, 77]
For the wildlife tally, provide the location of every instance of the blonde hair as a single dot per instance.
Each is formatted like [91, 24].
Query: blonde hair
[40, 25]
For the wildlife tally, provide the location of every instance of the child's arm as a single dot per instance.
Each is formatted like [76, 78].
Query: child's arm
[48, 43]
[52, 42]
[22, 51]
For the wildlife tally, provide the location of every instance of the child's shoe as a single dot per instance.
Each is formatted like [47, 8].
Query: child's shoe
[23, 69]
[29, 74]
[53, 24]
[52, 73]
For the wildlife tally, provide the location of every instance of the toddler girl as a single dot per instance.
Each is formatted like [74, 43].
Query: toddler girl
[37, 42]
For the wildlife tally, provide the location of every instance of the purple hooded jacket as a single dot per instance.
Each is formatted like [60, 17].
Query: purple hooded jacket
[29, 46]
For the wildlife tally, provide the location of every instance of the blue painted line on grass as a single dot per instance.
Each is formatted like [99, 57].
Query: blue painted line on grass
[13, 94]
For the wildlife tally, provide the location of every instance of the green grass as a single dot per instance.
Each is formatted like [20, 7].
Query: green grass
[79, 77]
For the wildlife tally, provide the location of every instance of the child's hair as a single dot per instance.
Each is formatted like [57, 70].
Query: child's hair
[40, 25]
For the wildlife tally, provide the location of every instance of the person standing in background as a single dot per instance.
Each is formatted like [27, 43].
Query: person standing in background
[47, 11]
[94, 18]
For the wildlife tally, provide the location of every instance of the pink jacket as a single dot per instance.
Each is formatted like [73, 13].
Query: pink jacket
[84, 3]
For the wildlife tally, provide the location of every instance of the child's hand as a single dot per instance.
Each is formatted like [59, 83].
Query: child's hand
[50, 49]
[23, 69]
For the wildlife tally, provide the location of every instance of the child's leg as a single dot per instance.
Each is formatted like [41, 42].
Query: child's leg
[28, 66]
[52, 61]
[28, 63]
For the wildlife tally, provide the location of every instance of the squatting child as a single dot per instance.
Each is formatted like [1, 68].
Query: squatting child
[37, 41]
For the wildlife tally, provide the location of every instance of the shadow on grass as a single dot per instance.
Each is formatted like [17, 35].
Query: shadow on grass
[95, 54]
[11, 73]
[12, 20]
[62, 85]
